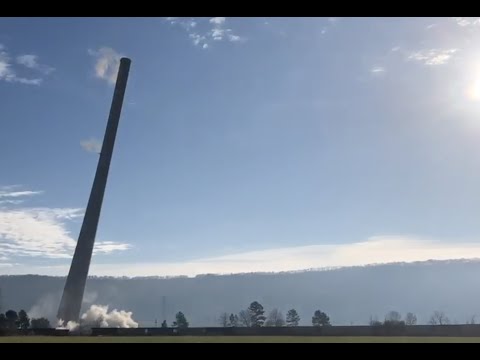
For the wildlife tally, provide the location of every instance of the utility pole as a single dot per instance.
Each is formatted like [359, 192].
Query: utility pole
[164, 308]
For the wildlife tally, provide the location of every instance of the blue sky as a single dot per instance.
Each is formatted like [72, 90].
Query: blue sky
[245, 143]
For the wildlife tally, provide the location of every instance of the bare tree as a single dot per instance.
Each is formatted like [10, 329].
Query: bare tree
[439, 318]
[374, 321]
[223, 319]
[393, 317]
[275, 318]
[472, 320]
[244, 318]
[233, 320]
[410, 319]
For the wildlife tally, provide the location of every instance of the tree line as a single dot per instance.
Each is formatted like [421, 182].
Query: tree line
[11, 320]
[394, 318]
[254, 316]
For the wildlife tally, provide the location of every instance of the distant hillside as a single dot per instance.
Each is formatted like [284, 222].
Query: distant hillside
[348, 295]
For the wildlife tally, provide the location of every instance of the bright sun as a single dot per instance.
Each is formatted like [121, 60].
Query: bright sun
[473, 90]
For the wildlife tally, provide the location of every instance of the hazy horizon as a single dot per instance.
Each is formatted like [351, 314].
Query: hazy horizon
[347, 295]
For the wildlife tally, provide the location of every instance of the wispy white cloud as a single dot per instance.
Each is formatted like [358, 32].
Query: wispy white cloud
[331, 22]
[378, 249]
[6, 72]
[433, 56]
[7, 265]
[198, 39]
[186, 23]
[31, 62]
[40, 231]
[218, 33]
[436, 51]
[4, 68]
[107, 247]
[5, 192]
[234, 38]
[36, 232]
[377, 70]
[217, 20]
[91, 145]
[107, 63]
[66, 213]
[10, 202]
[467, 21]
[375, 250]
[202, 32]
[26, 81]
[9, 195]
[9, 74]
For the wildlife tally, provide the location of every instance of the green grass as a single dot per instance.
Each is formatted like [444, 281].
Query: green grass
[233, 339]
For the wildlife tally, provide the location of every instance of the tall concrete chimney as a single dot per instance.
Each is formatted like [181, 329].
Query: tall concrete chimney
[69, 309]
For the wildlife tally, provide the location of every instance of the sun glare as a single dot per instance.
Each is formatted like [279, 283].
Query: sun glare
[473, 89]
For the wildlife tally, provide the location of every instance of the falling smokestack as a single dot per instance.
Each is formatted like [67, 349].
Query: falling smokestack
[69, 309]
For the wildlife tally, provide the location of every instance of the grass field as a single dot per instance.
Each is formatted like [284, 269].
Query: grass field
[234, 339]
